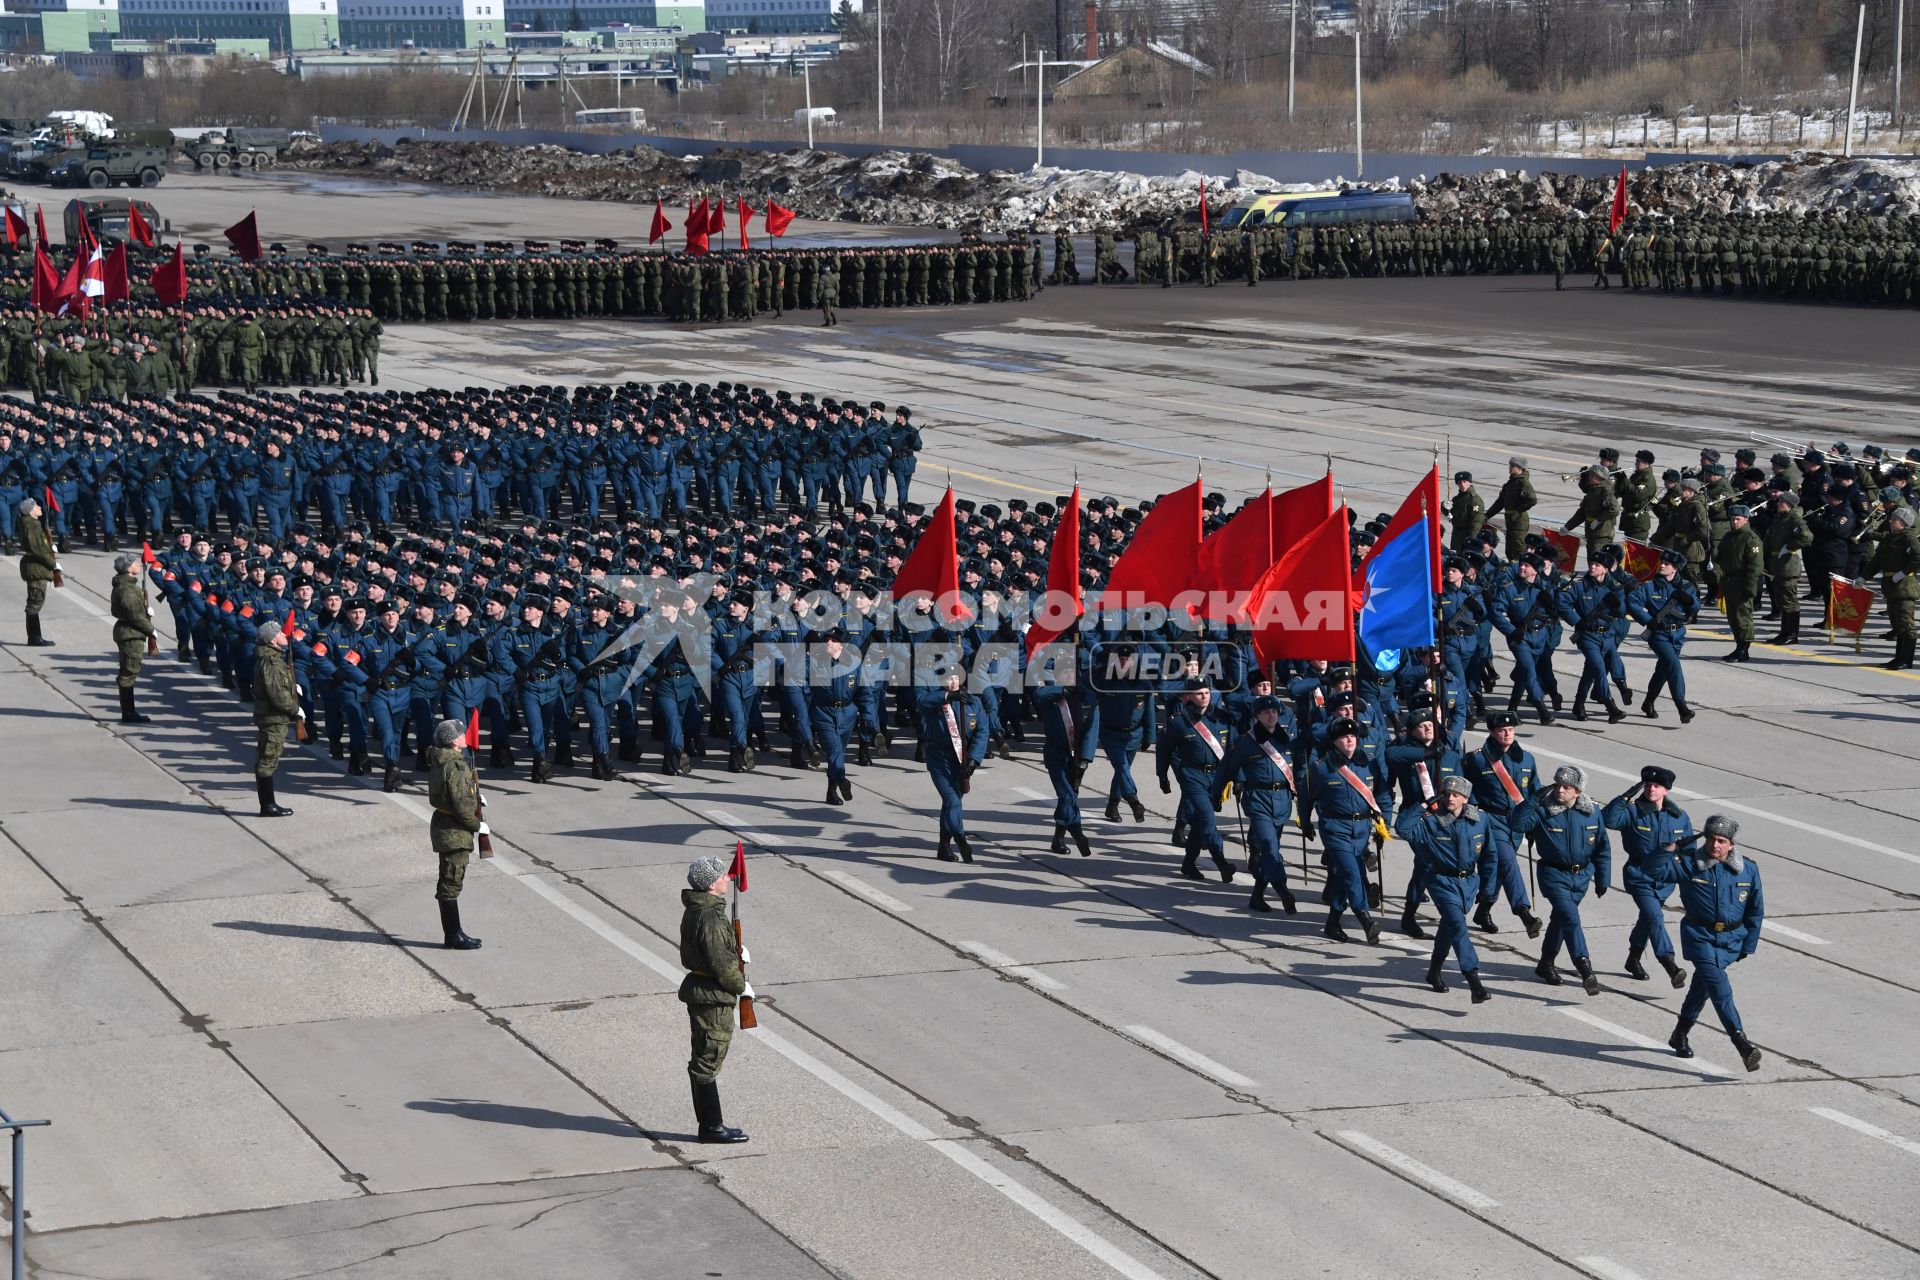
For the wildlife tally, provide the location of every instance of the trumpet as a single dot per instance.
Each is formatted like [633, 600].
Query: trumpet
[1568, 477]
[1873, 522]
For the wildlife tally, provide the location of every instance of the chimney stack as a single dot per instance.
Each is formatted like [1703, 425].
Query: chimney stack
[1093, 31]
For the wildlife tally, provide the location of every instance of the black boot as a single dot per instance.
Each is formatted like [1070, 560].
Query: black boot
[1678, 1040]
[1287, 903]
[1480, 993]
[269, 806]
[1332, 927]
[563, 751]
[833, 789]
[1579, 712]
[1686, 712]
[1483, 918]
[603, 768]
[1179, 837]
[1583, 965]
[1647, 708]
[946, 846]
[34, 639]
[1059, 844]
[1258, 902]
[1626, 692]
[1675, 974]
[390, 780]
[1190, 865]
[1749, 1056]
[1614, 714]
[1139, 810]
[1372, 928]
[1546, 972]
[747, 760]
[1635, 970]
[542, 771]
[358, 766]
[966, 850]
[1225, 868]
[1540, 709]
[1080, 840]
[863, 756]
[127, 713]
[335, 750]
[683, 763]
[1531, 921]
[670, 763]
[1113, 809]
[1410, 923]
[1433, 977]
[796, 759]
[713, 1125]
[456, 938]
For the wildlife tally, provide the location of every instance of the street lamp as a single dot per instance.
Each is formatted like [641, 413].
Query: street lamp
[1040, 108]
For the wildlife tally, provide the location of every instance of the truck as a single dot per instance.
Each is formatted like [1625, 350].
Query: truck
[102, 167]
[238, 148]
[107, 218]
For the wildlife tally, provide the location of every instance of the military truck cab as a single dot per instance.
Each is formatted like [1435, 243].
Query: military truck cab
[107, 218]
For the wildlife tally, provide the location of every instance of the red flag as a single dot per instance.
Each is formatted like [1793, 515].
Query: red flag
[778, 219]
[1423, 501]
[40, 223]
[660, 225]
[1062, 605]
[1158, 562]
[1303, 606]
[84, 245]
[717, 218]
[288, 625]
[46, 280]
[1203, 204]
[118, 287]
[71, 295]
[746, 216]
[244, 236]
[137, 229]
[1642, 559]
[17, 229]
[1234, 556]
[1618, 214]
[146, 553]
[473, 729]
[933, 566]
[738, 871]
[697, 227]
[1847, 605]
[1566, 546]
[170, 279]
[53, 503]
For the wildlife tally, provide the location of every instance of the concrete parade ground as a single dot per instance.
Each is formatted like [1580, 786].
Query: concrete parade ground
[260, 1064]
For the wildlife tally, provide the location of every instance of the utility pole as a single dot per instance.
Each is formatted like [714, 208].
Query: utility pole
[806, 74]
[1899, 51]
[1040, 108]
[1293, 35]
[1853, 93]
[1359, 136]
[880, 65]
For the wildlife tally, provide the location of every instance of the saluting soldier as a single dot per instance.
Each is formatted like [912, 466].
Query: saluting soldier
[1720, 895]
[132, 624]
[454, 792]
[1652, 827]
[1571, 841]
[1449, 837]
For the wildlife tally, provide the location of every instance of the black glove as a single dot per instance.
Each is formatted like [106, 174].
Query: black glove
[1306, 828]
[1600, 889]
[1216, 804]
[1166, 787]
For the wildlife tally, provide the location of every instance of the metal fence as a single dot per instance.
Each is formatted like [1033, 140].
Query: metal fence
[16, 1190]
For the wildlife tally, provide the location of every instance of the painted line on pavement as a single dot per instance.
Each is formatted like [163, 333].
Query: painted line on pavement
[79, 601]
[1029, 793]
[1419, 1172]
[1608, 1269]
[1192, 1057]
[865, 890]
[1808, 827]
[1000, 960]
[1787, 931]
[733, 823]
[1858, 1125]
[1063, 1223]
[1645, 1042]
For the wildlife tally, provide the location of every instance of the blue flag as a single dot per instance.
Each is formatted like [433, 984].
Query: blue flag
[1398, 613]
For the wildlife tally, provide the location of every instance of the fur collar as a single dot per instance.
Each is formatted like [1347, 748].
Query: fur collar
[1581, 805]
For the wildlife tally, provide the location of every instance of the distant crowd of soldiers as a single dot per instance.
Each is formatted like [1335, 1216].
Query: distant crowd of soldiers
[497, 280]
[133, 350]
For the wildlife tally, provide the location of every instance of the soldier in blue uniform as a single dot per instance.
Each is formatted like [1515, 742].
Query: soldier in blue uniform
[736, 688]
[669, 676]
[1450, 840]
[1259, 765]
[601, 662]
[1192, 746]
[1571, 841]
[1418, 765]
[1524, 615]
[1652, 828]
[833, 678]
[388, 660]
[1127, 726]
[1502, 774]
[954, 732]
[1061, 730]
[1351, 802]
[532, 653]
[1720, 893]
[1591, 605]
[1666, 605]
